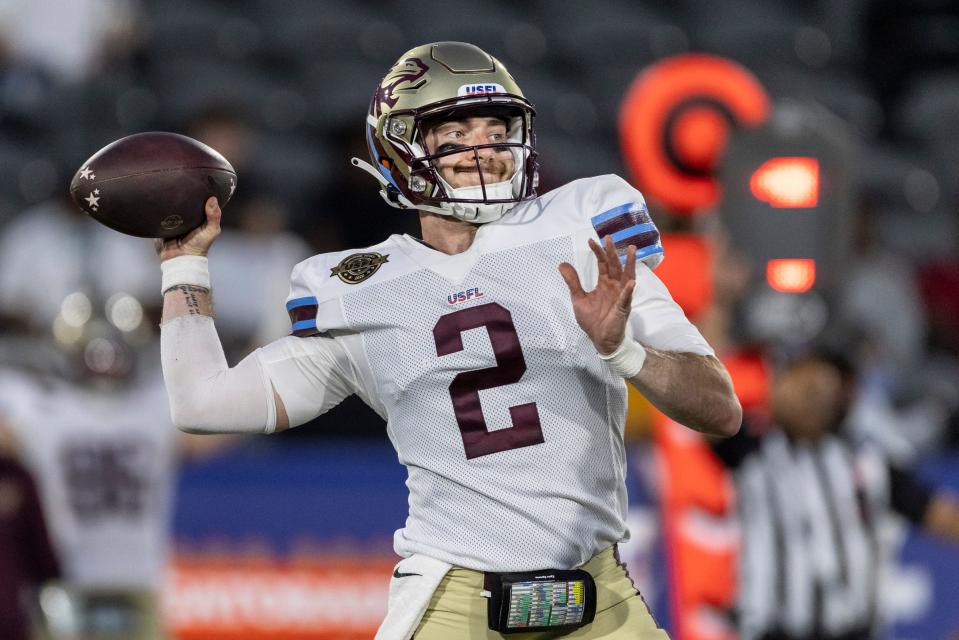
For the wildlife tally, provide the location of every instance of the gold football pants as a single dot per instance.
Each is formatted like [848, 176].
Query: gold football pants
[457, 611]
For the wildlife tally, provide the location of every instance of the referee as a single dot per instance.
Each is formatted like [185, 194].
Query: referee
[810, 503]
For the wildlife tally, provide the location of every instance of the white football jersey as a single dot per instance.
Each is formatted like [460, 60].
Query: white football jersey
[104, 463]
[509, 424]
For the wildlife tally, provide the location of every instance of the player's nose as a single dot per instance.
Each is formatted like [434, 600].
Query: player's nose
[485, 152]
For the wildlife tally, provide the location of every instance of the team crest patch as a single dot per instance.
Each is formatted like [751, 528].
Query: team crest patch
[356, 268]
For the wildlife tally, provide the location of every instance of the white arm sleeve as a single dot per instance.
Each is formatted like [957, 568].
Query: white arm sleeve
[311, 375]
[205, 394]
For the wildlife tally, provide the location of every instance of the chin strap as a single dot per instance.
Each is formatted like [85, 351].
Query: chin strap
[385, 185]
[370, 169]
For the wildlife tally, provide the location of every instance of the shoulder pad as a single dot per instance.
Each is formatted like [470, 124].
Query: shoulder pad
[317, 284]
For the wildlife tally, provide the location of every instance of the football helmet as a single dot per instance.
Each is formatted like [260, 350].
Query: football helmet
[436, 82]
[98, 347]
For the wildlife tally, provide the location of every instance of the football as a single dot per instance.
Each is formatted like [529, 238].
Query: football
[152, 185]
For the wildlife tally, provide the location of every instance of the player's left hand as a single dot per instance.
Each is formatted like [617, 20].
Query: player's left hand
[602, 313]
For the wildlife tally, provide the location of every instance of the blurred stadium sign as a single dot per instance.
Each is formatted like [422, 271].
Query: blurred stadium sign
[675, 122]
[266, 598]
[788, 196]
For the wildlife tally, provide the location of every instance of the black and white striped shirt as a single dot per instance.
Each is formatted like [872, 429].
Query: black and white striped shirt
[810, 557]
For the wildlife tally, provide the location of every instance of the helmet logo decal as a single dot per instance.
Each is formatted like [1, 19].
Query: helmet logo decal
[407, 72]
[478, 89]
[355, 268]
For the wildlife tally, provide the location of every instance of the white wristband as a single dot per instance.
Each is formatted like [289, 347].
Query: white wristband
[628, 358]
[192, 270]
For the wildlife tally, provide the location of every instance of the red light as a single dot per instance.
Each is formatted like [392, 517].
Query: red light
[699, 137]
[787, 182]
[796, 275]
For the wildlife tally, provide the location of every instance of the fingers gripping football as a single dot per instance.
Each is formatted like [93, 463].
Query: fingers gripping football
[603, 312]
[198, 241]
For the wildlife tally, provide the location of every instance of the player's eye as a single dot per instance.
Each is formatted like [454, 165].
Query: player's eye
[498, 137]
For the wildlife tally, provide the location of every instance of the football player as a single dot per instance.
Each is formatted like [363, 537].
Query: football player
[495, 346]
[97, 436]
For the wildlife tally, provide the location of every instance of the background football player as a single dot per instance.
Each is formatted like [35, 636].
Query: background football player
[97, 437]
[94, 428]
[495, 346]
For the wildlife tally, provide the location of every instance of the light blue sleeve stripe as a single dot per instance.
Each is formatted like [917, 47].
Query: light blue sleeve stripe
[304, 324]
[632, 231]
[300, 302]
[644, 253]
[615, 212]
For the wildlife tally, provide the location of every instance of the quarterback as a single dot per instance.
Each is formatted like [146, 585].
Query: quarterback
[496, 347]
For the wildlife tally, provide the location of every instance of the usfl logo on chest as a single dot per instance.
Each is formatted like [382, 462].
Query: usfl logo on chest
[463, 296]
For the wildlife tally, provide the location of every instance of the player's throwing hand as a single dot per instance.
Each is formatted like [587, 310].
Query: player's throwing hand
[198, 241]
[603, 312]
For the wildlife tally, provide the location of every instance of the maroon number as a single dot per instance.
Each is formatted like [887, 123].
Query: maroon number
[464, 390]
[105, 479]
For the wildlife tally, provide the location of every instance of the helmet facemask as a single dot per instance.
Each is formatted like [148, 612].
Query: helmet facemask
[486, 201]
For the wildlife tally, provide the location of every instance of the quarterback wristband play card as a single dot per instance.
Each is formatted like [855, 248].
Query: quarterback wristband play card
[540, 600]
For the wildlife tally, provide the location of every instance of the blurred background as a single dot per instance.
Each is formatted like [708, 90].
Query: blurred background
[800, 159]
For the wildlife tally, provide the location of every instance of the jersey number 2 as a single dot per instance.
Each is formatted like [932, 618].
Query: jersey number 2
[464, 390]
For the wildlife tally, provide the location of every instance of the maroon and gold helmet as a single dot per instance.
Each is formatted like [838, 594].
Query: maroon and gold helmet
[431, 83]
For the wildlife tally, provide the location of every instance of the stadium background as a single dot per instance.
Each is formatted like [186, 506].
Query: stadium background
[281, 88]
